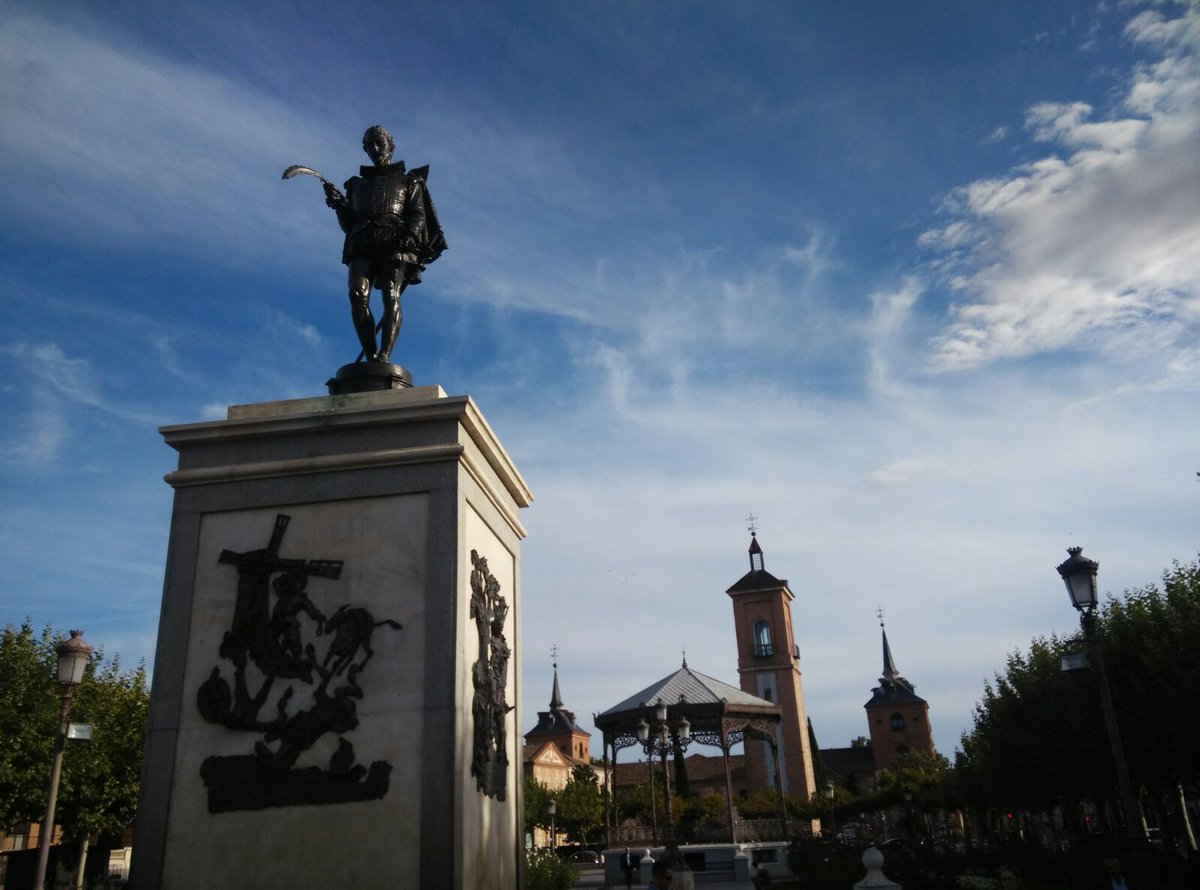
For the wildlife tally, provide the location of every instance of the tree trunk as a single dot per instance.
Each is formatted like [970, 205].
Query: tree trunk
[83, 851]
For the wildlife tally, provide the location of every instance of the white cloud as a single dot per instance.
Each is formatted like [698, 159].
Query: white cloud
[35, 439]
[890, 314]
[948, 504]
[997, 135]
[57, 394]
[1098, 247]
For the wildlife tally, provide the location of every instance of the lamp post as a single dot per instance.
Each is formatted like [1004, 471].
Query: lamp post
[1079, 574]
[661, 738]
[552, 809]
[72, 660]
[832, 821]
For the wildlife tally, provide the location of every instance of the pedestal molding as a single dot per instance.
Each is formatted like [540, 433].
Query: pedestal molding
[300, 466]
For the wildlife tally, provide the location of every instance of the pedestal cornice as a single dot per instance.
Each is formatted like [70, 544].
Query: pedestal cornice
[479, 451]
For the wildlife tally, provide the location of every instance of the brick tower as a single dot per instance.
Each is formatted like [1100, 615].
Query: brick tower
[769, 667]
[897, 716]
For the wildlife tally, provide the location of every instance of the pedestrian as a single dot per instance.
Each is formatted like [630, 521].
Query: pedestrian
[627, 867]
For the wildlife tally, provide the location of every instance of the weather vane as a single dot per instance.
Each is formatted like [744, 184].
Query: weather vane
[752, 528]
[879, 614]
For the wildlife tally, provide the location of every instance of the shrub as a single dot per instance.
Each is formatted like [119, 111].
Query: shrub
[545, 871]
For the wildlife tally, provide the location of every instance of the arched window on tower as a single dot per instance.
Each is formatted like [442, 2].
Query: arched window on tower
[762, 639]
[897, 722]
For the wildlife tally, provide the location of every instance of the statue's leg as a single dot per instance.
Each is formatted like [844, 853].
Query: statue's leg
[360, 305]
[393, 317]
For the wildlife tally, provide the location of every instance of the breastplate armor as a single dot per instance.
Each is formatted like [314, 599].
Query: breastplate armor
[379, 197]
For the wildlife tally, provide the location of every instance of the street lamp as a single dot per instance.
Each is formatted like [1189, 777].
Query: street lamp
[72, 661]
[643, 734]
[552, 809]
[662, 739]
[829, 797]
[1079, 574]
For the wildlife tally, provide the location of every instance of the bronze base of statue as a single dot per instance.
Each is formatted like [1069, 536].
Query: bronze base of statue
[368, 377]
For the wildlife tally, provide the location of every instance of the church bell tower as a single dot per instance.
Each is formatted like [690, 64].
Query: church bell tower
[769, 667]
[897, 716]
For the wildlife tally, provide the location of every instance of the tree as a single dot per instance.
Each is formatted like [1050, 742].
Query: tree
[761, 804]
[580, 805]
[536, 798]
[99, 791]
[28, 714]
[99, 784]
[861, 742]
[632, 802]
[1039, 738]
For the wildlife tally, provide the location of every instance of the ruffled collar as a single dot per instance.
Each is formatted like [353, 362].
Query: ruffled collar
[385, 170]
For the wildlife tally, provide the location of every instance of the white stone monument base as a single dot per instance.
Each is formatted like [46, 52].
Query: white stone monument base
[336, 676]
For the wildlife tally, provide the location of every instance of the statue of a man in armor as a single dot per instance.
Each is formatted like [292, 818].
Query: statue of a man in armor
[392, 234]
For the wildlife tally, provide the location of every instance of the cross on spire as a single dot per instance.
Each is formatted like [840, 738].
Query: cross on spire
[879, 615]
[554, 655]
[752, 528]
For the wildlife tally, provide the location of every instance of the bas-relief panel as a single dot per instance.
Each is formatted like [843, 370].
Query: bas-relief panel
[305, 693]
[490, 820]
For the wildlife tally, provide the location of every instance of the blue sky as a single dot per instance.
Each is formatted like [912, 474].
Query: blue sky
[918, 285]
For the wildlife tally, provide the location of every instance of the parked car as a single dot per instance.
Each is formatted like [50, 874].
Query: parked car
[589, 856]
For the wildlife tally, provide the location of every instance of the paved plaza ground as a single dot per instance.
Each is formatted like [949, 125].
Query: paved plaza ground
[593, 879]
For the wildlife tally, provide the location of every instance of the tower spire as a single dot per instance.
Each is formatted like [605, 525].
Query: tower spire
[555, 696]
[889, 666]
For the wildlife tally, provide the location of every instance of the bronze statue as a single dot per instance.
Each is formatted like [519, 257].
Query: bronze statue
[392, 234]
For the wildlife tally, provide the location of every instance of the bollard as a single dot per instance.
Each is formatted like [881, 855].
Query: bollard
[875, 879]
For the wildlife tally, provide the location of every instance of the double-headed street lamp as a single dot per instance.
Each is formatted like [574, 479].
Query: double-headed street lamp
[1079, 574]
[72, 661]
[664, 736]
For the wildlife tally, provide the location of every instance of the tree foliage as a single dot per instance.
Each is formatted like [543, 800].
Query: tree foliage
[99, 783]
[580, 805]
[536, 798]
[99, 792]
[1039, 735]
[28, 713]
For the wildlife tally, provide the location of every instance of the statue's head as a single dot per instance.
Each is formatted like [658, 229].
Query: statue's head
[379, 145]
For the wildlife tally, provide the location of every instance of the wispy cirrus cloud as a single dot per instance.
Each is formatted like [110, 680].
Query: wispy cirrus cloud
[1097, 243]
[55, 388]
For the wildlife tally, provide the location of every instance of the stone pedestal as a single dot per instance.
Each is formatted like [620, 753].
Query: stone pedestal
[336, 676]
